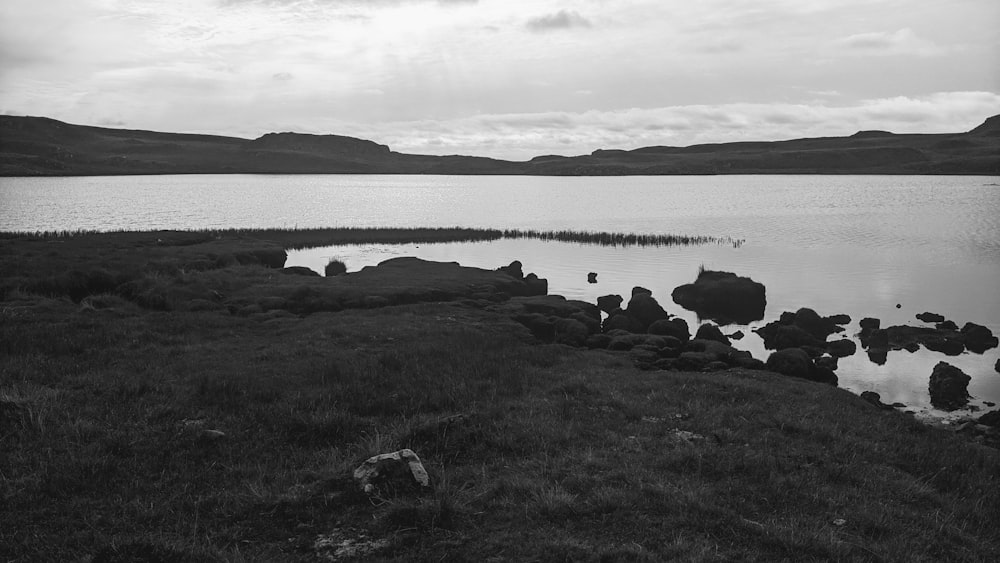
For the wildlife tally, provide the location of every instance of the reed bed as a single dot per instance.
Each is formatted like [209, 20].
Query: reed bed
[298, 238]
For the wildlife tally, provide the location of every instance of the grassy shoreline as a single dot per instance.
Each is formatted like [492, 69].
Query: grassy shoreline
[562, 454]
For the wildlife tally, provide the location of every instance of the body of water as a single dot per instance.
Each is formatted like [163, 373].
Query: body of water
[839, 244]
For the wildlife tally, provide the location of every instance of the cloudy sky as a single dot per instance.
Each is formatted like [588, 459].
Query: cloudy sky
[506, 78]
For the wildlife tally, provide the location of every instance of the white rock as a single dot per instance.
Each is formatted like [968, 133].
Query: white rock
[402, 469]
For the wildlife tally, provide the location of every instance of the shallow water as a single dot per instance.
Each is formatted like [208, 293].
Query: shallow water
[839, 244]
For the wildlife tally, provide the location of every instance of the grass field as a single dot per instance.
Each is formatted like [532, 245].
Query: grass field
[201, 426]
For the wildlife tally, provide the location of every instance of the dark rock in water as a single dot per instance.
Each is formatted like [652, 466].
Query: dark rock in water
[996, 366]
[811, 322]
[622, 321]
[300, 271]
[676, 327]
[592, 277]
[738, 335]
[868, 323]
[609, 303]
[514, 270]
[639, 290]
[878, 356]
[723, 297]
[899, 305]
[644, 308]
[793, 362]
[779, 336]
[842, 348]
[536, 285]
[827, 362]
[946, 325]
[978, 338]
[991, 418]
[879, 338]
[911, 347]
[840, 319]
[945, 345]
[874, 399]
[930, 317]
[711, 332]
[948, 387]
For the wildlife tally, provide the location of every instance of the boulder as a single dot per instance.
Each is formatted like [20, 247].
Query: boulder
[335, 268]
[644, 309]
[978, 338]
[869, 323]
[810, 321]
[639, 290]
[841, 348]
[514, 270]
[738, 335]
[711, 332]
[996, 366]
[943, 344]
[827, 362]
[536, 285]
[839, 319]
[723, 297]
[875, 399]
[930, 317]
[392, 473]
[778, 336]
[676, 327]
[609, 303]
[622, 321]
[946, 325]
[592, 277]
[948, 387]
[878, 356]
[793, 362]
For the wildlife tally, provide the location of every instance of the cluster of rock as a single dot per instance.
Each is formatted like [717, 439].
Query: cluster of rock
[945, 337]
[801, 347]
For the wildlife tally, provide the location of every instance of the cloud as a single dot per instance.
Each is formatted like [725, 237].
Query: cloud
[563, 19]
[903, 41]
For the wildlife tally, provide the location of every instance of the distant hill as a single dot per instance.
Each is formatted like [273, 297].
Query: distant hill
[38, 146]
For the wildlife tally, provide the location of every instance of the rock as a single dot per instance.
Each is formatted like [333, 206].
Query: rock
[879, 338]
[793, 362]
[711, 332]
[996, 366]
[609, 303]
[899, 305]
[622, 321]
[948, 387]
[873, 398]
[676, 327]
[841, 348]
[592, 277]
[946, 325]
[738, 335]
[978, 338]
[644, 308]
[639, 290]
[827, 362]
[991, 418]
[810, 321]
[878, 356]
[930, 317]
[536, 285]
[840, 319]
[778, 336]
[723, 297]
[514, 270]
[299, 271]
[392, 473]
[869, 323]
[945, 345]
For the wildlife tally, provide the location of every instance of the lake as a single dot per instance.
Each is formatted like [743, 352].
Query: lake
[839, 244]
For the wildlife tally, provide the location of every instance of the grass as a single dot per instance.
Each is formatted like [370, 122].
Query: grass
[536, 452]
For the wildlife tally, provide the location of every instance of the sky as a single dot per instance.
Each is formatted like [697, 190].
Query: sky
[506, 78]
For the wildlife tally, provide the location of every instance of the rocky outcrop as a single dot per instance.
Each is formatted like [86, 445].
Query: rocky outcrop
[645, 309]
[795, 362]
[609, 303]
[711, 332]
[808, 330]
[948, 387]
[723, 297]
[335, 268]
[553, 318]
[972, 337]
[978, 338]
[390, 474]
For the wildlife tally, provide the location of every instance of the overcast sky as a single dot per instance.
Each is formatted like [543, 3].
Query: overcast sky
[506, 78]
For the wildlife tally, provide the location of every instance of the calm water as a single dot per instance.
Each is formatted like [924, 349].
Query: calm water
[839, 244]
